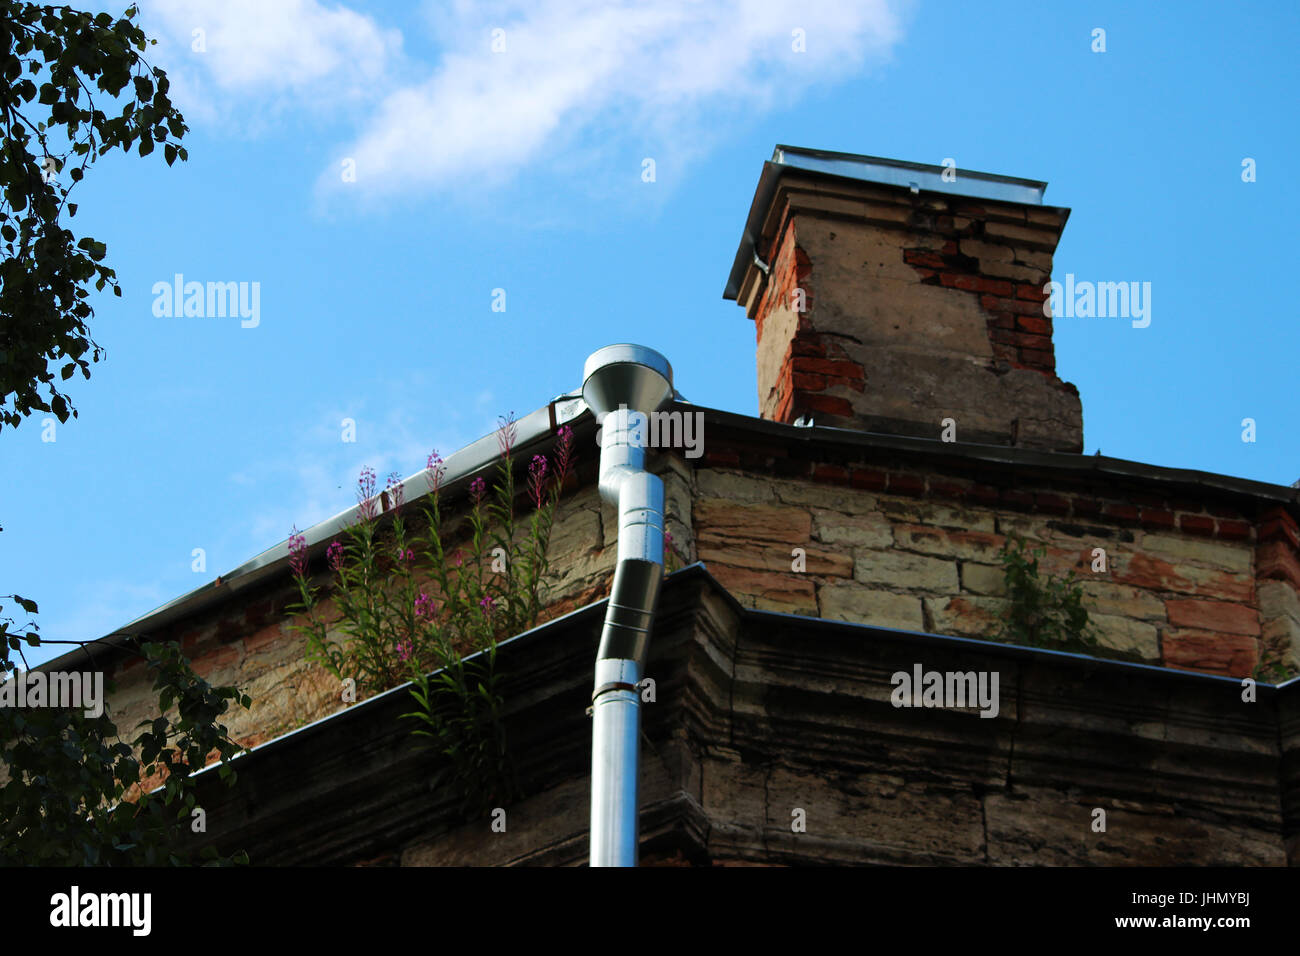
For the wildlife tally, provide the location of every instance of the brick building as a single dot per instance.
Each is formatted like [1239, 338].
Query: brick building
[910, 421]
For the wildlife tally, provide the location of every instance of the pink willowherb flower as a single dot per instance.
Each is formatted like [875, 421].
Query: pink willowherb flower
[506, 434]
[297, 552]
[477, 489]
[405, 555]
[563, 453]
[435, 469]
[368, 508]
[537, 480]
[424, 608]
[403, 650]
[335, 555]
[396, 495]
[488, 605]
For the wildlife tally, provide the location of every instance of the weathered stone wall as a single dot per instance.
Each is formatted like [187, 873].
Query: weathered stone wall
[1193, 584]
[919, 551]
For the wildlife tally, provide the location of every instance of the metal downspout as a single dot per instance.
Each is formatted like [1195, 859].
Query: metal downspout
[623, 385]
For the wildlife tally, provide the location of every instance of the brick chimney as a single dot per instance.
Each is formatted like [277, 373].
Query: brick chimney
[889, 296]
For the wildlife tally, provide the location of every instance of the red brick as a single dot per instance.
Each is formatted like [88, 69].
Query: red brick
[902, 483]
[1041, 343]
[811, 383]
[828, 405]
[833, 473]
[872, 479]
[857, 384]
[807, 345]
[1230, 655]
[1086, 506]
[1038, 358]
[949, 488]
[1278, 525]
[1033, 325]
[993, 287]
[769, 588]
[1052, 504]
[1031, 292]
[1196, 524]
[1155, 518]
[1154, 574]
[1275, 560]
[985, 494]
[827, 367]
[1119, 512]
[994, 304]
[1213, 616]
[1235, 530]
[928, 259]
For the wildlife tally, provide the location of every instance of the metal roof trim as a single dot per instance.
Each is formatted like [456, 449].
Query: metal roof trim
[890, 172]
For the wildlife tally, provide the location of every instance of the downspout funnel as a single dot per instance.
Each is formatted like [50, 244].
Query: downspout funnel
[623, 385]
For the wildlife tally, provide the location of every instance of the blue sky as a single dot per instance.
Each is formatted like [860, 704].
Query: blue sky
[521, 170]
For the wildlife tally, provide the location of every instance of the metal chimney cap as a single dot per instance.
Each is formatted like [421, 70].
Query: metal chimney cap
[626, 374]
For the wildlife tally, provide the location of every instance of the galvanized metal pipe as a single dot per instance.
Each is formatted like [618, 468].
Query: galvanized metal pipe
[640, 381]
[615, 763]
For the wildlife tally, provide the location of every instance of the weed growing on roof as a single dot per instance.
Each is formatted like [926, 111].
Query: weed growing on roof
[406, 609]
[1043, 610]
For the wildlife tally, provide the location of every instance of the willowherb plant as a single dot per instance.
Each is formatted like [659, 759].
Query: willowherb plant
[1042, 610]
[404, 607]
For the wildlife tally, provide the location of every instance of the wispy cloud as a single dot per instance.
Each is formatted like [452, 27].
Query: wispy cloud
[522, 83]
[519, 80]
[224, 56]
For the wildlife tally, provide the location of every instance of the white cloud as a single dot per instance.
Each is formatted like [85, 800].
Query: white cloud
[277, 52]
[604, 70]
[608, 75]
